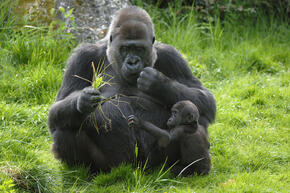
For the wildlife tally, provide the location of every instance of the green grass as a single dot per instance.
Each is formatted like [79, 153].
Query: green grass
[244, 62]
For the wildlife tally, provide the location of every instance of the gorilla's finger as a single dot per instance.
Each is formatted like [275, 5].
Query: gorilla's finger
[142, 88]
[143, 80]
[130, 117]
[92, 91]
[142, 74]
[140, 81]
[146, 73]
[150, 70]
[96, 98]
[88, 88]
[132, 121]
[143, 85]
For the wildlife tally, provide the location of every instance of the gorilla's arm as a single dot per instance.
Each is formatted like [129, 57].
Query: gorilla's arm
[163, 136]
[200, 96]
[64, 114]
[171, 80]
[160, 134]
[75, 99]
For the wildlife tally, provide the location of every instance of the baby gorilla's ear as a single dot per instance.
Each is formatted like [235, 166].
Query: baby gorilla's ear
[190, 118]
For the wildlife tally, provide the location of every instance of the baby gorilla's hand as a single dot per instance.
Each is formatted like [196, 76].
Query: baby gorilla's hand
[133, 121]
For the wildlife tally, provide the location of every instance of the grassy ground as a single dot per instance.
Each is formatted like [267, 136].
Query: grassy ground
[244, 62]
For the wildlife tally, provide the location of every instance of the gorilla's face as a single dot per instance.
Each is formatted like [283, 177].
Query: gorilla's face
[134, 55]
[183, 113]
[130, 50]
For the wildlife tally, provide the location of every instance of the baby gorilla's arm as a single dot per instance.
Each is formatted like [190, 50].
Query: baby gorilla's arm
[162, 135]
[176, 133]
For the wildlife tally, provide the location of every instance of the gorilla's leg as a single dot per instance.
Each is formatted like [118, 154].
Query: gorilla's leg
[201, 167]
[77, 148]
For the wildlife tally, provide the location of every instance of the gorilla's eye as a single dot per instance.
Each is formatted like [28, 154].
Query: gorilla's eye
[140, 49]
[124, 49]
[174, 112]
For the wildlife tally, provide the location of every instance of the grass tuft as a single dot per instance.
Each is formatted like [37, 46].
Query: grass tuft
[244, 61]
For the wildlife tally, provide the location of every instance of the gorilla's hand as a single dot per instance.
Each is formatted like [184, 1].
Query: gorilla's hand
[88, 100]
[133, 121]
[150, 80]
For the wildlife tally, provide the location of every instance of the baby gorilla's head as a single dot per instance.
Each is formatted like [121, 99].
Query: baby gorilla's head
[183, 113]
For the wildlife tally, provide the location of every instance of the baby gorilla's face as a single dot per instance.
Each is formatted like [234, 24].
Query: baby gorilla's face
[175, 118]
[183, 113]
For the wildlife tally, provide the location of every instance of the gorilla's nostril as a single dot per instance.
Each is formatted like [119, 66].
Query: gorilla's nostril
[133, 61]
[133, 64]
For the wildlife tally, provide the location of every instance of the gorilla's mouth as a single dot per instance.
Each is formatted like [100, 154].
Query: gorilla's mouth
[130, 73]
[131, 77]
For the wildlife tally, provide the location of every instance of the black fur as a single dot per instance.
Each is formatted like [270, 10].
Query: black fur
[183, 131]
[150, 97]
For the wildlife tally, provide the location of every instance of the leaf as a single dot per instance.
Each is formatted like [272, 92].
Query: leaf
[62, 10]
[98, 81]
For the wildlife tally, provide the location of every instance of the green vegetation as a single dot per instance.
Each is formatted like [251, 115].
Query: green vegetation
[243, 61]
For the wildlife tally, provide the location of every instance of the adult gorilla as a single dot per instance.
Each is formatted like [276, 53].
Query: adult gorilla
[148, 78]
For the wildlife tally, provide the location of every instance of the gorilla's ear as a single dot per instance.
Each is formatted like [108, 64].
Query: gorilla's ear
[111, 38]
[153, 40]
[190, 118]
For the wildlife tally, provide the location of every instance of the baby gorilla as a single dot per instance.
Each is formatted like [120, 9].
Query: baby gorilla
[183, 128]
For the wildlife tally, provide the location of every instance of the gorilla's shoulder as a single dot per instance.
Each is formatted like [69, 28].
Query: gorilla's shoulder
[169, 57]
[171, 63]
[89, 49]
[85, 54]
[163, 48]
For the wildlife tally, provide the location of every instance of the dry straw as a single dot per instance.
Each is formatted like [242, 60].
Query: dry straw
[98, 81]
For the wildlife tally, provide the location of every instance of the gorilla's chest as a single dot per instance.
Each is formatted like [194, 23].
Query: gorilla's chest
[148, 109]
[128, 101]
